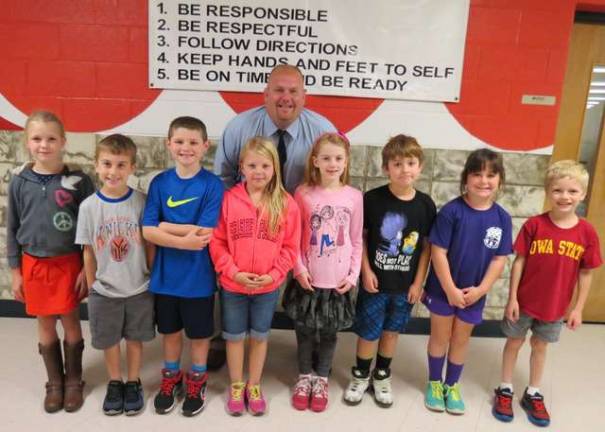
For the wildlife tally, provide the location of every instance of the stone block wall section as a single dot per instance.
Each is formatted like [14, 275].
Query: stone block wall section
[523, 195]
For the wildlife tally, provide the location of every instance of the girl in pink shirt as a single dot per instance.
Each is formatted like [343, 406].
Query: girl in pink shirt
[319, 301]
[253, 248]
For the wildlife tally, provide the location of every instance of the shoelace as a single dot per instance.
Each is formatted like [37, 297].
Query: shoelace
[454, 393]
[167, 384]
[194, 387]
[382, 388]
[357, 382]
[254, 392]
[320, 388]
[114, 393]
[538, 404]
[131, 392]
[236, 392]
[505, 401]
[436, 390]
[303, 386]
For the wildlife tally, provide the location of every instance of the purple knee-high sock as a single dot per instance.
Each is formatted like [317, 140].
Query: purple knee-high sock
[452, 375]
[436, 368]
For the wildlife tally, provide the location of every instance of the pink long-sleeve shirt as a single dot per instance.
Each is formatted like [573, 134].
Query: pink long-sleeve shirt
[331, 241]
[242, 242]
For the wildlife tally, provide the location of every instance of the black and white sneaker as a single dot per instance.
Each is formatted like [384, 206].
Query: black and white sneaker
[170, 389]
[360, 381]
[195, 398]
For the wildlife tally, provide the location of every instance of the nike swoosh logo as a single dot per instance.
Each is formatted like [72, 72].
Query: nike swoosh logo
[170, 203]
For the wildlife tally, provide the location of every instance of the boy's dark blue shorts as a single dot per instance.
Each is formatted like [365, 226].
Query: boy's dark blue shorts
[380, 312]
[195, 315]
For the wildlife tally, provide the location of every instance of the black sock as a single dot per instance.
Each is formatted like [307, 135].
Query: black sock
[364, 365]
[383, 362]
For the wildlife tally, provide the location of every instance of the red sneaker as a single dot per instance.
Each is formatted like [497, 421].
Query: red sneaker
[503, 405]
[535, 409]
[302, 392]
[319, 394]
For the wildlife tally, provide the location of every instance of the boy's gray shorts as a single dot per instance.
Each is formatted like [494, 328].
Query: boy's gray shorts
[111, 319]
[548, 331]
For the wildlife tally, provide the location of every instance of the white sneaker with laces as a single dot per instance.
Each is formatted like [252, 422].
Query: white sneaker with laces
[356, 388]
[381, 382]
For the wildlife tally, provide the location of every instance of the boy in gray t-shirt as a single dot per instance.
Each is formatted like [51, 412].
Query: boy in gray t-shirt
[117, 262]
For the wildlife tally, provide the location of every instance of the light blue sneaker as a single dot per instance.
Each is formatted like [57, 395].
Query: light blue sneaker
[433, 397]
[453, 399]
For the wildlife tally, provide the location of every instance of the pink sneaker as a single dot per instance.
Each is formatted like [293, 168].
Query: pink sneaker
[319, 394]
[302, 392]
[256, 401]
[235, 402]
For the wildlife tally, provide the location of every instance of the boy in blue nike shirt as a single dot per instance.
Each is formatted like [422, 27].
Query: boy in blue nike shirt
[182, 208]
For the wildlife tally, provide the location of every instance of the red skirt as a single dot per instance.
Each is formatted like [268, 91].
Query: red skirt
[49, 284]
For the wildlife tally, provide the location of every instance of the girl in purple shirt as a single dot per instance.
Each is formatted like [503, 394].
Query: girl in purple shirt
[470, 240]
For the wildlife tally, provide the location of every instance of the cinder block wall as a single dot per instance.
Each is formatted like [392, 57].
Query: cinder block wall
[523, 195]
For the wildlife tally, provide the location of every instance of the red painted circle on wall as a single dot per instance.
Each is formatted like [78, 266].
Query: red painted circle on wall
[85, 61]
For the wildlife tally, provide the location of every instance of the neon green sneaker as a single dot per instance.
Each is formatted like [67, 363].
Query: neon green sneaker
[433, 397]
[453, 399]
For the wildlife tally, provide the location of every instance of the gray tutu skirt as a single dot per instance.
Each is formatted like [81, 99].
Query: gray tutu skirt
[320, 309]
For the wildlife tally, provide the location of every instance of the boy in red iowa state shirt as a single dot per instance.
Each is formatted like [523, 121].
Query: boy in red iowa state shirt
[555, 252]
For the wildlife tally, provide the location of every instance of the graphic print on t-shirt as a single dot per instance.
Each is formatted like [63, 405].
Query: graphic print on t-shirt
[565, 248]
[391, 233]
[172, 204]
[394, 252]
[116, 233]
[410, 242]
[492, 238]
[328, 226]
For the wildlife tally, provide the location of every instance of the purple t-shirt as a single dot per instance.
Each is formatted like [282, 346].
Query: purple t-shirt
[472, 238]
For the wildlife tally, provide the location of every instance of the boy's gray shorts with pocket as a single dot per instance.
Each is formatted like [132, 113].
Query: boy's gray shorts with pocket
[111, 319]
[548, 331]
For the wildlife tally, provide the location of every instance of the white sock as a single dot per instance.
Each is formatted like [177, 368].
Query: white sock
[507, 386]
[532, 390]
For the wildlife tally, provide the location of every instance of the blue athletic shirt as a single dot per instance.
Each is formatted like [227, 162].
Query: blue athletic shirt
[472, 238]
[196, 201]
